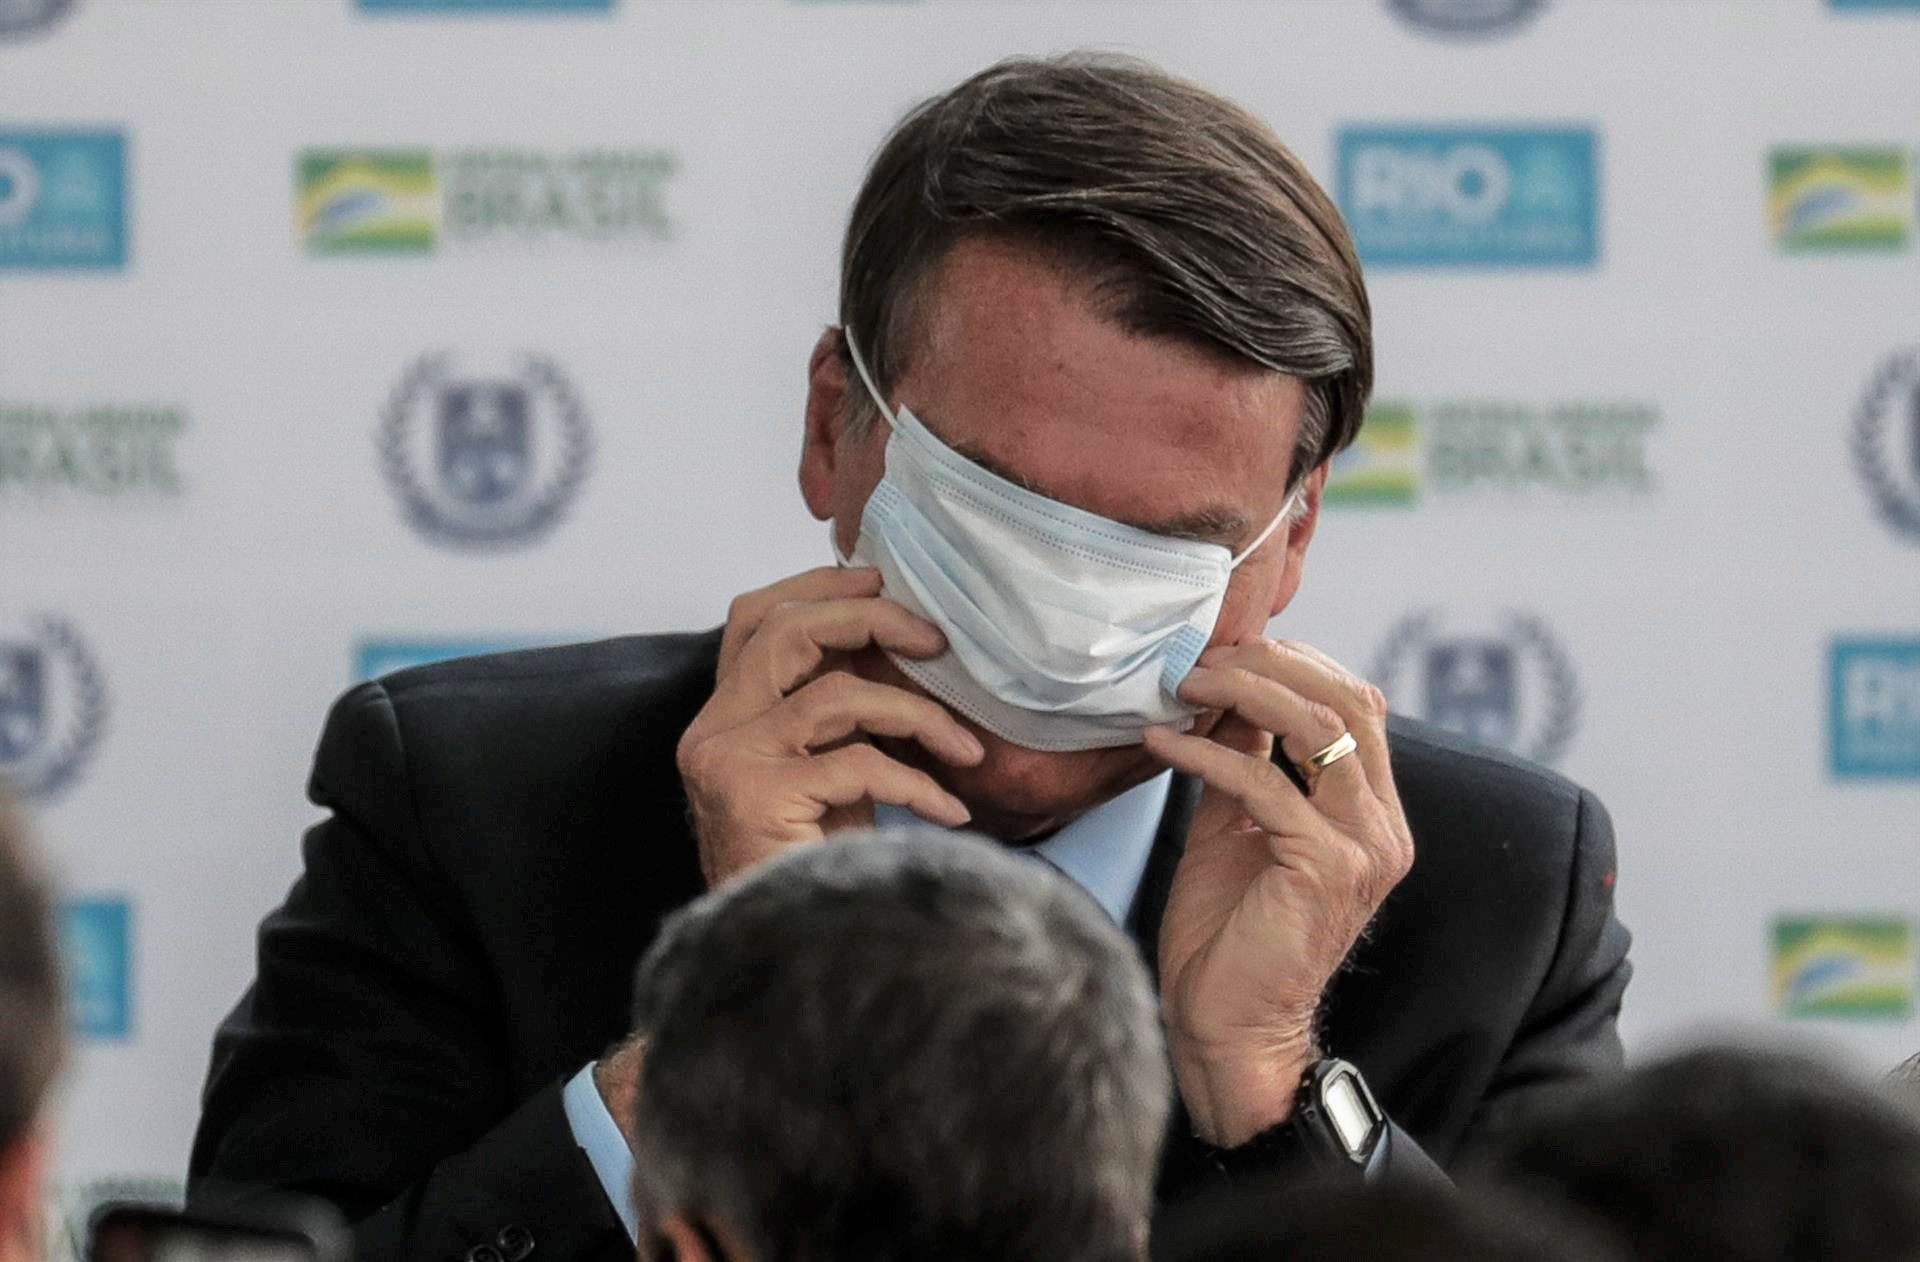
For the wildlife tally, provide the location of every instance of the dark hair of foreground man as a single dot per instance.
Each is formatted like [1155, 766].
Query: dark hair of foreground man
[905, 1045]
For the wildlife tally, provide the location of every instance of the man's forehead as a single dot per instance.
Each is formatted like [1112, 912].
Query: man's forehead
[1221, 523]
[1023, 369]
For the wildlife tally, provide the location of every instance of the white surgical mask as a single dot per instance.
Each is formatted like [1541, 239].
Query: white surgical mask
[1065, 630]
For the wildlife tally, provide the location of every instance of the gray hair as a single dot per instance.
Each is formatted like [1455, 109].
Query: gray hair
[1184, 211]
[32, 1037]
[902, 1045]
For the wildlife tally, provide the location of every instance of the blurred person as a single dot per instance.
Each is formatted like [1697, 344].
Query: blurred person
[32, 1039]
[1735, 1154]
[1100, 334]
[1907, 1072]
[1311, 1222]
[968, 1064]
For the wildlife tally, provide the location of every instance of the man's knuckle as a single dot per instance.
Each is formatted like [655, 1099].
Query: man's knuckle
[744, 608]
[1325, 719]
[782, 617]
[1370, 700]
[834, 690]
[701, 759]
[1266, 778]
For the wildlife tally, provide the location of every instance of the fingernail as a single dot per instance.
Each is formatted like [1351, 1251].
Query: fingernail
[973, 744]
[961, 814]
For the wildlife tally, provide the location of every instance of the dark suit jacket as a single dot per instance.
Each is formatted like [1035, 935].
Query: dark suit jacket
[507, 833]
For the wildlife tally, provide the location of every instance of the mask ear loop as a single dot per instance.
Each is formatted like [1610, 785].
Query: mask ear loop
[866, 378]
[1285, 514]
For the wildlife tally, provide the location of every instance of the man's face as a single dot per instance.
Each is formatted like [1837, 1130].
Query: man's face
[1020, 372]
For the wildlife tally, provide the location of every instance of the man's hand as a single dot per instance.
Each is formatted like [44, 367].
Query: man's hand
[1276, 885]
[779, 755]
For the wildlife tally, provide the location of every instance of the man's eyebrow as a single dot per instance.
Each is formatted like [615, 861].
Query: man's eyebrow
[1216, 523]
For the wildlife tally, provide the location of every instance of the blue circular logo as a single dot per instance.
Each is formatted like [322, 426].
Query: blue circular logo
[1468, 17]
[26, 17]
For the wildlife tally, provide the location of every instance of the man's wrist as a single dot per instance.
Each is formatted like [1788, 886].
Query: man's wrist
[1234, 1095]
[616, 1076]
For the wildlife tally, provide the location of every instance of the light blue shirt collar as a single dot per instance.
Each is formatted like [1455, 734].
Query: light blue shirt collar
[1105, 851]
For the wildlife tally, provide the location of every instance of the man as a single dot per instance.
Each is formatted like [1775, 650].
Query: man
[968, 1065]
[1109, 332]
[1734, 1154]
[31, 1041]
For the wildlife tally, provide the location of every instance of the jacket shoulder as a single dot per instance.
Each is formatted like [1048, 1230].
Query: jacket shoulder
[509, 745]
[627, 662]
[1429, 757]
[1492, 824]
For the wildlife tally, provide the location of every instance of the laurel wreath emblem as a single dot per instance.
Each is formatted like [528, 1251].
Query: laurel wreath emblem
[1897, 505]
[538, 515]
[45, 778]
[1561, 711]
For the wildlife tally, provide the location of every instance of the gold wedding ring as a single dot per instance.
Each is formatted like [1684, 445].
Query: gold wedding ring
[1332, 754]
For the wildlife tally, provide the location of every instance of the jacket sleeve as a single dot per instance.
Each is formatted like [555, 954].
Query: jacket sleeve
[1570, 1034]
[363, 1067]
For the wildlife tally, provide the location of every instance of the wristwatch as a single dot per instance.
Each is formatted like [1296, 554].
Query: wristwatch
[1335, 1128]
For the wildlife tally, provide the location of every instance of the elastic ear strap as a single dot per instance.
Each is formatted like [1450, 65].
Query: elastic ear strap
[1286, 511]
[860, 366]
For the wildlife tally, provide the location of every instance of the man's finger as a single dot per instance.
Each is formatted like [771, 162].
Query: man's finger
[1303, 727]
[1319, 679]
[854, 773]
[836, 705]
[1263, 791]
[793, 642]
[826, 582]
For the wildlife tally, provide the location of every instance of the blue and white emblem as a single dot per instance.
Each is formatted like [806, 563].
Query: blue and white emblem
[53, 707]
[1471, 689]
[484, 456]
[1511, 685]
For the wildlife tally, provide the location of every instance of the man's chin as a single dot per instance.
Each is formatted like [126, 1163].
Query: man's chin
[1021, 795]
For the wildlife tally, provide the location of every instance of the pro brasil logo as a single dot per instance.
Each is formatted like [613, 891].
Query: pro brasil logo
[1851, 198]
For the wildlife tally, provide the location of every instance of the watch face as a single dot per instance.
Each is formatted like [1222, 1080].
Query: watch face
[1347, 1110]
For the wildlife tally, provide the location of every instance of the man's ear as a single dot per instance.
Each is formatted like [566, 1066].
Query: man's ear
[1299, 534]
[826, 414]
[23, 1168]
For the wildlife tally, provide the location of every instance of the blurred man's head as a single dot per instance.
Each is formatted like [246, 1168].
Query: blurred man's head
[902, 1046]
[1289, 1222]
[1118, 290]
[30, 1037]
[1737, 1155]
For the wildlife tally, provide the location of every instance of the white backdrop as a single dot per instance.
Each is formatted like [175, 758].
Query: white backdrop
[1679, 627]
